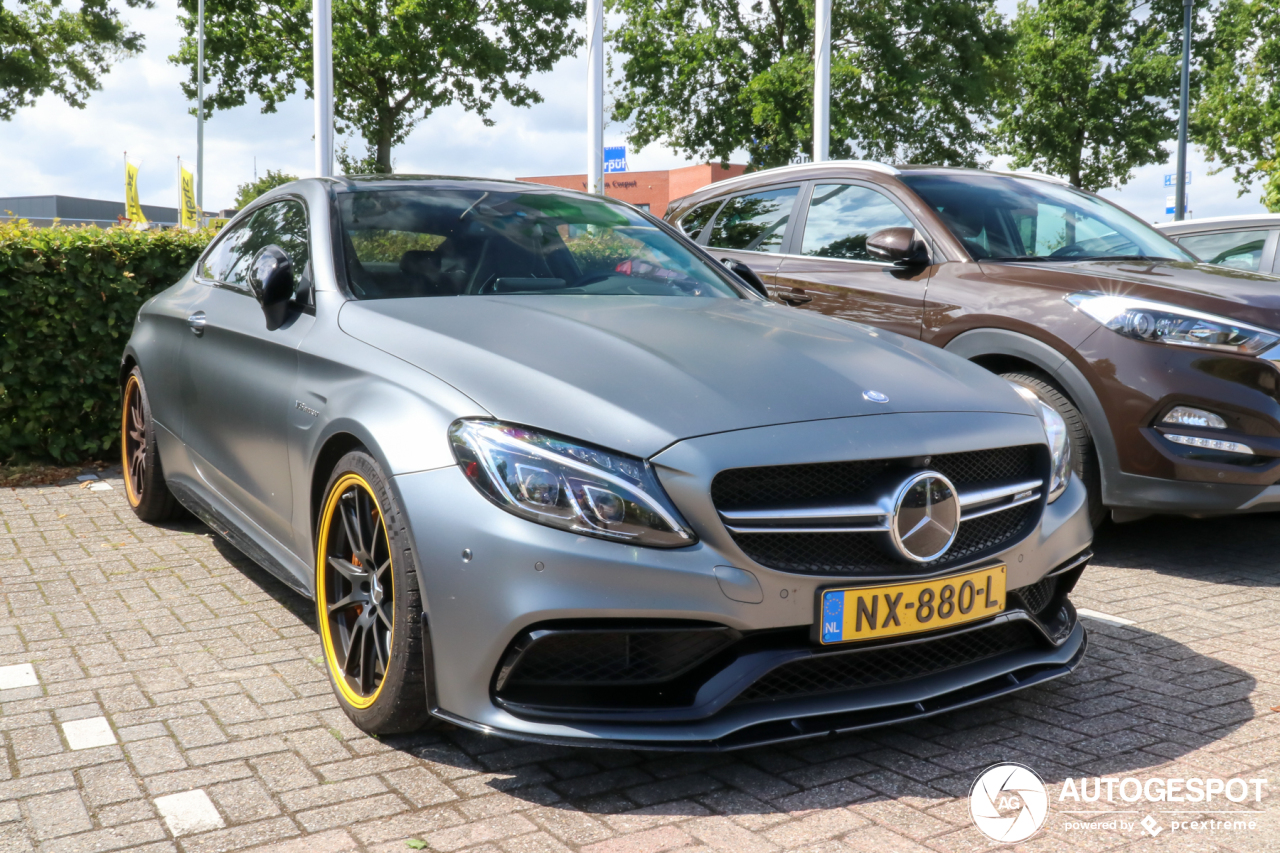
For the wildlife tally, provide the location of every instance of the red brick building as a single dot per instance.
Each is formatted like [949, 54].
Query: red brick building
[651, 190]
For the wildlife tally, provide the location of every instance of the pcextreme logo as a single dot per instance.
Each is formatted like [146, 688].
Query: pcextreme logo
[1008, 803]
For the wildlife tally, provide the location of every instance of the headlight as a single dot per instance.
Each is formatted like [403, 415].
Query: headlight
[1055, 429]
[562, 484]
[1170, 324]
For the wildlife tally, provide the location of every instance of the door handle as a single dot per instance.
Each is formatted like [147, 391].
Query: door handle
[794, 296]
[197, 322]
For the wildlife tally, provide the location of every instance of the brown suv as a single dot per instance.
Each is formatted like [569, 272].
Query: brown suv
[1164, 368]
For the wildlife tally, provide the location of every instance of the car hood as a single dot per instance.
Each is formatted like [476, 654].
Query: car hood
[636, 374]
[1239, 294]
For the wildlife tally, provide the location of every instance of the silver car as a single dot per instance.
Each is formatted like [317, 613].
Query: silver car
[1241, 242]
[549, 471]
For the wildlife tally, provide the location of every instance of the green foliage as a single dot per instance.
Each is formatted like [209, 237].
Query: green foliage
[47, 47]
[911, 80]
[68, 298]
[1237, 116]
[387, 247]
[394, 63]
[1088, 87]
[600, 249]
[349, 164]
[247, 192]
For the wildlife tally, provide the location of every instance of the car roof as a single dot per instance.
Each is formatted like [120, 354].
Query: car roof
[1220, 223]
[801, 171]
[353, 183]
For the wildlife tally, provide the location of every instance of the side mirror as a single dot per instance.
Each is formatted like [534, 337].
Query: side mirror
[747, 274]
[271, 277]
[898, 246]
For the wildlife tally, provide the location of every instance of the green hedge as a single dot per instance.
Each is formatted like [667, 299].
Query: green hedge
[68, 297]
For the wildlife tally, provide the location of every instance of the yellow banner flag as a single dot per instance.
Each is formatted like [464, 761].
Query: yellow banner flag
[190, 216]
[132, 207]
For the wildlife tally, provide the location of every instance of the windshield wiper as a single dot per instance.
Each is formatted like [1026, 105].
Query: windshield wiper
[1121, 258]
[1027, 258]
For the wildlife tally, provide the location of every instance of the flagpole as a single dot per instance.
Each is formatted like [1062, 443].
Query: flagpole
[199, 106]
[822, 82]
[322, 86]
[595, 94]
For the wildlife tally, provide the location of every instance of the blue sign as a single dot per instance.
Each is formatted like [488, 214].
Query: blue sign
[1169, 204]
[615, 159]
[1172, 180]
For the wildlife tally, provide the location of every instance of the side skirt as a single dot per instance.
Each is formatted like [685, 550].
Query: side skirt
[227, 529]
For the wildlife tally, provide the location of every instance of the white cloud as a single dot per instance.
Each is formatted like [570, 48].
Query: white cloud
[52, 148]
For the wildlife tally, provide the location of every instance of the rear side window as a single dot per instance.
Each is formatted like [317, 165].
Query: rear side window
[754, 223]
[695, 220]
[1240, 250]
[842, 217]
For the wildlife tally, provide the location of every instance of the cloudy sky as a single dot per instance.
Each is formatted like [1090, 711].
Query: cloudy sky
[54, 149]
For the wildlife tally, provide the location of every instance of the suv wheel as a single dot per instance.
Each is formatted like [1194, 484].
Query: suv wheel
[1084, 458]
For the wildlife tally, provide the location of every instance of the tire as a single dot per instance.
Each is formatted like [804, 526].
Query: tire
[1084, 457]
[144, 484]
[372, 648]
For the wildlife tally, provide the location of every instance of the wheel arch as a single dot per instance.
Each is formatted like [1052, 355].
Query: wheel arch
[127, 363]
[1002, 351]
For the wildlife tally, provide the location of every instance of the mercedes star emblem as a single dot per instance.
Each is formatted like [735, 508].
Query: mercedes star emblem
[926, 517]
[875, 396]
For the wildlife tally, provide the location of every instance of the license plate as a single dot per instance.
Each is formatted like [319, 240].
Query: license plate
[872, 612]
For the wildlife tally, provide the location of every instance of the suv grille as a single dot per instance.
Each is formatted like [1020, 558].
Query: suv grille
[865, 553]
[831, 673]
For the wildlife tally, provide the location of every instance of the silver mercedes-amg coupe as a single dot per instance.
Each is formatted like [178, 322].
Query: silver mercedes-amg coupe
[551, 472]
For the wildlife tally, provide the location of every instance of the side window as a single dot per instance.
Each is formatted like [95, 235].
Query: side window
[283, 224]
[695, 220]
[755, 222]
[842, 217]
[226, 262]
[1240, 250]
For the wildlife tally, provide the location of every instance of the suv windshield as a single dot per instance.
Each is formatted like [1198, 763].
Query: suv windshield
[998, 217]
[427, 241]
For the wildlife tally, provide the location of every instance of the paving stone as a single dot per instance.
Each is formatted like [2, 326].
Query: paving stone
[189, 812]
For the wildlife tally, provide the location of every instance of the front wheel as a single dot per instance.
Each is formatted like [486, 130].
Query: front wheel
[1084, 457]
[367, 601]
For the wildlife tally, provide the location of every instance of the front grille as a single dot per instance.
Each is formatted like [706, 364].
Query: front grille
[615, 657]
[834, 672]
[861, 554]
[783, 485]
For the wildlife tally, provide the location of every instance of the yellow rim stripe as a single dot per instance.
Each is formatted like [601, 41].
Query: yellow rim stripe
[326, 638]
[130, 488]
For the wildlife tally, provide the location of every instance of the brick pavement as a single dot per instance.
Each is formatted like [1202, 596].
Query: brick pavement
[158, 692]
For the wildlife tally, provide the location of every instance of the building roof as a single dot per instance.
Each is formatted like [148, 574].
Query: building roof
[73, 210]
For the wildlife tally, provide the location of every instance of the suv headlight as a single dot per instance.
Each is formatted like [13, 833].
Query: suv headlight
[1055, 429]
[1160, 322]
[559, 483]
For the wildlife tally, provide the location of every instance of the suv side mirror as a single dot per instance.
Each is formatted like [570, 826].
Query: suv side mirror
[747, 274]
[271, 277]
[898, 246]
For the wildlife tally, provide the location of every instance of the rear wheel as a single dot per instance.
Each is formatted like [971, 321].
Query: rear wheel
[144, 484]
[367, 601]
[1084, 457]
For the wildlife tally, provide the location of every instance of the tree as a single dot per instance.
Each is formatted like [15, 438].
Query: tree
[247, 192]
[394, 62]
[45, 47]
[1237, 116]
[1087, 90]
[910, 79]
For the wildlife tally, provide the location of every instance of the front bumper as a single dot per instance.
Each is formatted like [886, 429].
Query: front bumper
[522, 575]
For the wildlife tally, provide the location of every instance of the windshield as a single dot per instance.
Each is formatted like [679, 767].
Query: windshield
[999, 217]
[429, 241]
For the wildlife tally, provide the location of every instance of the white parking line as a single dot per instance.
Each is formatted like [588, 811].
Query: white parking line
[1104, 617]
[19, 675]
[88, 733]
[189, 812]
